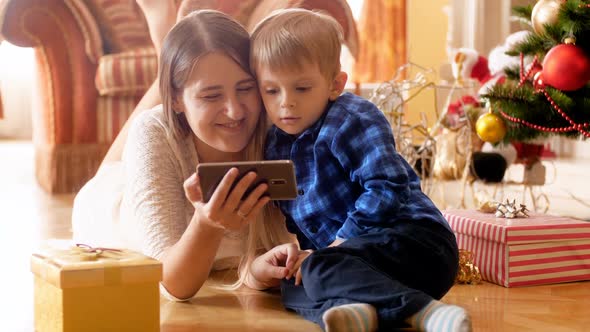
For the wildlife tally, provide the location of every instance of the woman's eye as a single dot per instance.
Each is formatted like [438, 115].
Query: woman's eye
[270, 91]
[246, 88]
[211, 97]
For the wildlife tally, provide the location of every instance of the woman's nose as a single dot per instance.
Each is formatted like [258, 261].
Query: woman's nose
[234, 109]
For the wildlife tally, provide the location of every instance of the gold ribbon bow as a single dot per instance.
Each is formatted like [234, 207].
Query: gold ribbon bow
[84, 253]
[468, 273]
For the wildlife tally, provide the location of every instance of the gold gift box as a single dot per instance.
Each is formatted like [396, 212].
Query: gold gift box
[96, 289]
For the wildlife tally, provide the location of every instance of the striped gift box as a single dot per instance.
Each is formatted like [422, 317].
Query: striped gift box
[541, 249]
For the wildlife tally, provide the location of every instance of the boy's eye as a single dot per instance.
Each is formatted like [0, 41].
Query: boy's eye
[303, 88]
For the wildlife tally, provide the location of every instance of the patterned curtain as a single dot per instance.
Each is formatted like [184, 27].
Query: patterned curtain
[382, 34]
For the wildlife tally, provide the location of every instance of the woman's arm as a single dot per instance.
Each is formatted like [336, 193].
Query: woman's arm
[201, 240]
[157, 206]
[187, 263]
[155, 214]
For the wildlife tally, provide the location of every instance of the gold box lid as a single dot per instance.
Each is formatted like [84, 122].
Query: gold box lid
[84, 266]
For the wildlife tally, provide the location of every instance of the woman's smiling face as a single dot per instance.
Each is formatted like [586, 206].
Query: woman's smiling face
[221, 103]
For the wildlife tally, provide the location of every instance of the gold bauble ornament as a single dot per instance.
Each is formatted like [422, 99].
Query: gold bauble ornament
[490, 128]
[545, 12]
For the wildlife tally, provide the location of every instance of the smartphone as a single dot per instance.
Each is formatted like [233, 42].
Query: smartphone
[278, 174]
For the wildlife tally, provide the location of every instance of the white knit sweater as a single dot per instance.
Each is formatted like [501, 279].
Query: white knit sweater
[139, 203]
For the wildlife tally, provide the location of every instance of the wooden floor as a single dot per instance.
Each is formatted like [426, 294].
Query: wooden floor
[29, 217]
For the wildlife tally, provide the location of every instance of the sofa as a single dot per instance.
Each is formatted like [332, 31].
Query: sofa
[94, 62]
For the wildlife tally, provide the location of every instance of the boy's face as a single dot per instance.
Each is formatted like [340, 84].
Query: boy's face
[294, 99]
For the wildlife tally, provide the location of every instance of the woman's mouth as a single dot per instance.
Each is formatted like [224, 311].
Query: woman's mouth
[234, 125]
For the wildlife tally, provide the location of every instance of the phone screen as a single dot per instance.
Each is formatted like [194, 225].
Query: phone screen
[278, 174]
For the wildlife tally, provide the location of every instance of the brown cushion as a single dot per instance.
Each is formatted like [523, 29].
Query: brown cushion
[128, 73]
[338, 9]
[121, 23]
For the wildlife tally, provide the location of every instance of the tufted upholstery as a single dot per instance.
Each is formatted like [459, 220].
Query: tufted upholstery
[95, 60]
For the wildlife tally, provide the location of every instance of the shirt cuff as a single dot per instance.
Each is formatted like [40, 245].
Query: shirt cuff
[348, 230]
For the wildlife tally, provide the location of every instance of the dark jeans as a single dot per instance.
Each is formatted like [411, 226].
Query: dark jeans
[398, 270]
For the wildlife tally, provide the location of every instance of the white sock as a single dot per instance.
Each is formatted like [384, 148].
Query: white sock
[440, 317]
[357, 317]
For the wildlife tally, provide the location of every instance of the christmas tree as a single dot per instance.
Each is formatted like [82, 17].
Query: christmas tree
[551, 96]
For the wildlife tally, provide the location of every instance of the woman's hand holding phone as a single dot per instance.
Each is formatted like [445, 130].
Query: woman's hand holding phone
[226, 209]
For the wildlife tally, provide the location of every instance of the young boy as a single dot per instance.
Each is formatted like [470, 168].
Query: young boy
[382, 254]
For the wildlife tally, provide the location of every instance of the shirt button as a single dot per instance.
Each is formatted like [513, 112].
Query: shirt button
[300, 192]
[313, 229]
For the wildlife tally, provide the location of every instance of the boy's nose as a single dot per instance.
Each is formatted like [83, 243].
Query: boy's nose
[288, 103]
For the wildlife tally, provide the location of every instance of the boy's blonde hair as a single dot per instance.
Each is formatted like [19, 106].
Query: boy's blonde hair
[288, 39]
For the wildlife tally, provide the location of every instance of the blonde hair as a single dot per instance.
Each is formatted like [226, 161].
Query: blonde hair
[197, 34]
[287, 39]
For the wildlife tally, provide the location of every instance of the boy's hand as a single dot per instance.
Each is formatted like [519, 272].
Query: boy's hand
[269, 268]
[302, 256]
[336, 242]
[297, 267]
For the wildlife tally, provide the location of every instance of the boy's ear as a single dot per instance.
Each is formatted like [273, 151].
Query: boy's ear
[338, 84]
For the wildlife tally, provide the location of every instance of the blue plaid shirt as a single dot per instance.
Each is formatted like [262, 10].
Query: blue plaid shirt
[351, 179]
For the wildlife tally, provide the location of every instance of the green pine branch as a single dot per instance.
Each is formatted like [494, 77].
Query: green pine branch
[528, 105]
[525, 102]
[523, 11]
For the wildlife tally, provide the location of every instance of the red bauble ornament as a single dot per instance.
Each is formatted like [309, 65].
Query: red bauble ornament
[538, 82]
[534, 70]
[566, 67]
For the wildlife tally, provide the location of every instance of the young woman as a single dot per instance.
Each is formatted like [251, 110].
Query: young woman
[210, 112]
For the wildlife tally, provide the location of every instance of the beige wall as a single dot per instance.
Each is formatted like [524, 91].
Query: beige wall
[16, 81]
[427, 34]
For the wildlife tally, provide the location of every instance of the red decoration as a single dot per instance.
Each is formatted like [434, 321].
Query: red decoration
[566, 67]
[481, 71]
[538, 82]
[532, 72]
[456, 108]
[527, 153]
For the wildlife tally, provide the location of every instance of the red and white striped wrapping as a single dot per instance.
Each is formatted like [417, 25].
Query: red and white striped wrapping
[541, 249]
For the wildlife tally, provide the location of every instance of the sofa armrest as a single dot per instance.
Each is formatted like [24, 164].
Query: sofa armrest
[85, 22]
[67, 46]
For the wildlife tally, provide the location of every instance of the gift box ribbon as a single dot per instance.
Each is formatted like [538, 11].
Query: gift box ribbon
[84, 266]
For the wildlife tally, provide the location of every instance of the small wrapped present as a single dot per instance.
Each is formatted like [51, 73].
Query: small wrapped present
[95, 289]
[540, 249]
